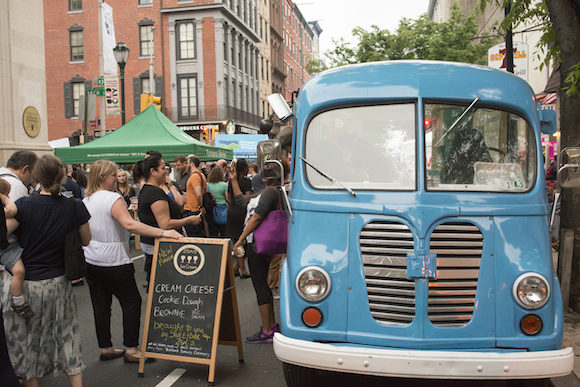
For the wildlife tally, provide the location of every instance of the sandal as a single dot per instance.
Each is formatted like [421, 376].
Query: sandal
[23, 310]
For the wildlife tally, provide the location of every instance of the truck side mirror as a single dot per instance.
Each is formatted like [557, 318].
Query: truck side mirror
[548, 121]
[569, 172]
[269, 156]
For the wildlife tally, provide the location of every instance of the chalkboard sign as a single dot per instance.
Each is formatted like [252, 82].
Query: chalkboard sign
[184, 306]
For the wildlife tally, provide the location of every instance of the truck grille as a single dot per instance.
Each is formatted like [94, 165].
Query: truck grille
[384, 248]
[452, 295]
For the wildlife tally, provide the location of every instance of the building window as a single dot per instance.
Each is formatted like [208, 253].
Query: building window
[262, 63]
[73, 90]
[240, 53]
[266, 32]
[226, 43]
[145, 2]
[187, 96]
[75, 5]
[260, 27]
[267, 71]
[146, 37]
[76, 43]
[186, 40]
[145, 89]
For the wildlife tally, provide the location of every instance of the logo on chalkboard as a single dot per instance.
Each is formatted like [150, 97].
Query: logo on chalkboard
[189, 260]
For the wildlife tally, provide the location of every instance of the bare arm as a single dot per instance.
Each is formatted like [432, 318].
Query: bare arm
[120, 213]
[11, 225]
[10, 208]
[85, 233]
[176, 195]
[160, 210]
[198, 195]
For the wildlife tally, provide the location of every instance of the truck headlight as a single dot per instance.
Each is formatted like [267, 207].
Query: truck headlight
[531, 290]
[313, 283]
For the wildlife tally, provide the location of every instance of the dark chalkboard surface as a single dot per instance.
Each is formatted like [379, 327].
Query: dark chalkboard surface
[185, 300]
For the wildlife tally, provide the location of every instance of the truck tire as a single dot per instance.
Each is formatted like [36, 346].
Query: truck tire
[530, 383]
[297, 376]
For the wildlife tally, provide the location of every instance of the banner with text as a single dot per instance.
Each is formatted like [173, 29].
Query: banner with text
[496, 58]
[108, 38]
[112, 99]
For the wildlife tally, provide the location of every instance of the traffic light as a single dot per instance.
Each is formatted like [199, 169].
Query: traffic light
[144, 101]
[153, 100]
[204, 134]
[214, 131]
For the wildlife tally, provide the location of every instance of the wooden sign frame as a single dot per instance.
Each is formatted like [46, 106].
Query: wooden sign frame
[228, 328]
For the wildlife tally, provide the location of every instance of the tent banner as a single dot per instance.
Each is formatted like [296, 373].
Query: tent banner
[244, 145]
[112, 99]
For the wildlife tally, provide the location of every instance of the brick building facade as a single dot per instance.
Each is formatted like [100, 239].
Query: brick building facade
[206, 60]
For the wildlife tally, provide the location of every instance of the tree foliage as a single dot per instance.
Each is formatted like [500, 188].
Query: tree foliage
[422, 38]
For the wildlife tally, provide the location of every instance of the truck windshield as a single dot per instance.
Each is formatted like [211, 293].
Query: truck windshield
[488, 150]
[370, 147]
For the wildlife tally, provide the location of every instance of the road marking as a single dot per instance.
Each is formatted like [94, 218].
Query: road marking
[137, 257]
[172, 377]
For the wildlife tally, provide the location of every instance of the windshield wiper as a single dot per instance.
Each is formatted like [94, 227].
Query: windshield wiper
[457, 120]
[329, 177]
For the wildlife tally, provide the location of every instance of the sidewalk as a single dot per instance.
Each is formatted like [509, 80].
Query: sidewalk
[571, 339]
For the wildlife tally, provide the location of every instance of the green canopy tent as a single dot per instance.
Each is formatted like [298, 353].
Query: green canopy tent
[149, 130]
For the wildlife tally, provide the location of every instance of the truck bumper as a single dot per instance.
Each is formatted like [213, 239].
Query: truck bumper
[429, 364]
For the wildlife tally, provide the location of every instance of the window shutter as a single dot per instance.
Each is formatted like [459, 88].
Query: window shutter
[159, 91]
[159, 87]
[137, 95]
[68, 102]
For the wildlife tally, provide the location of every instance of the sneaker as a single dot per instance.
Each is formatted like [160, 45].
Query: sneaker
[261, 338]
[275, 293]
[23, 310]
[276, 328]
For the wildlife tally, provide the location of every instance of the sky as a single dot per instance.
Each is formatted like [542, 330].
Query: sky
[338, 18]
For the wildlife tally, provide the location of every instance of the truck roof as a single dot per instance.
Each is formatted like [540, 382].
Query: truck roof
[411, 79]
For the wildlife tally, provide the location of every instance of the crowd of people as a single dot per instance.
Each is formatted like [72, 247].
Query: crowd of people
[39, 331]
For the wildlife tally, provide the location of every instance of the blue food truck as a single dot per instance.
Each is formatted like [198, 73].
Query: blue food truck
[419, 245]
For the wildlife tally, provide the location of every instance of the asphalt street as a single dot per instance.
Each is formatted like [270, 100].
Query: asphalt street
[260, 366]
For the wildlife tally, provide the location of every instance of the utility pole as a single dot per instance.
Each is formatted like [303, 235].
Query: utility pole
[102, 70]
[509, 43]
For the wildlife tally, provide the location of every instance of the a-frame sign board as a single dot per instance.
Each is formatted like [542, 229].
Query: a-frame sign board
[192, 304]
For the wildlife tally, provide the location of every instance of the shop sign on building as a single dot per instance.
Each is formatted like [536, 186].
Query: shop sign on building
[496, 58]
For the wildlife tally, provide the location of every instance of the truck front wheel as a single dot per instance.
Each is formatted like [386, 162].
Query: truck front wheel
[297, 376]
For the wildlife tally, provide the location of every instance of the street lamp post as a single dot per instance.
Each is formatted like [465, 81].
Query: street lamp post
[121, 52]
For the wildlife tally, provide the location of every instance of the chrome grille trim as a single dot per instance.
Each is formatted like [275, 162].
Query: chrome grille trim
[384, 247]
[459, 247]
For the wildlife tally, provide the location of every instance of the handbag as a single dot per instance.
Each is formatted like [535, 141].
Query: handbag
[75, 266]
[220, 214]
[271, 236]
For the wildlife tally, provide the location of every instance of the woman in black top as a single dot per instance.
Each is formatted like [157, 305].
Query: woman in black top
[156, 209]
[49, 341]
[237, 214]
[123, 187]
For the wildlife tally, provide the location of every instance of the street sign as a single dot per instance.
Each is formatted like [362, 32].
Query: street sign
[98, 134]
[101, 81]
[100, 91]
[92, 124]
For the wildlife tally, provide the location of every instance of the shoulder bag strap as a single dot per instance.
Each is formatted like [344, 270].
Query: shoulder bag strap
[203, 188]
[73, 221]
